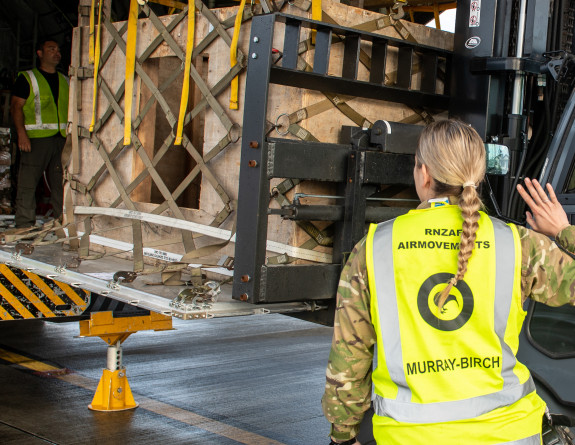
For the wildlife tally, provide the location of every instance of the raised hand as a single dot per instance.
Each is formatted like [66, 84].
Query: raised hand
[547, 215]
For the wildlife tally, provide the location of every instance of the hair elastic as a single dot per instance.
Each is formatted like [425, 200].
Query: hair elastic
[469, 184]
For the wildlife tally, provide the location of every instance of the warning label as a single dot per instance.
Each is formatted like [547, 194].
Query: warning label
[474, 13]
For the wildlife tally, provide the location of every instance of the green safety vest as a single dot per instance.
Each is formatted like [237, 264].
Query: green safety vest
[42, 118]
[449, 374]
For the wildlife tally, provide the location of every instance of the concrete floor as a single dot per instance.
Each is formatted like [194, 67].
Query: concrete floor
[242, 380]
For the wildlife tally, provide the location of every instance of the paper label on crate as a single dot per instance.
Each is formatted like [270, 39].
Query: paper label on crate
[474, 13]
[162, 255]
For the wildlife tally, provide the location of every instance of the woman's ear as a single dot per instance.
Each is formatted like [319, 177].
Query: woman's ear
[427, 181]
[423, 182]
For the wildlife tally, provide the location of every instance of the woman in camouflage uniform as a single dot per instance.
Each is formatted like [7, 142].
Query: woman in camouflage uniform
[450, 163]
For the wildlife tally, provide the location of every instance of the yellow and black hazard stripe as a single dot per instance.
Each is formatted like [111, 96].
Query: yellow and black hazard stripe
[25, 295]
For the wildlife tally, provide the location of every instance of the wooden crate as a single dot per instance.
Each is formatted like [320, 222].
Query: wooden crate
[217, 188]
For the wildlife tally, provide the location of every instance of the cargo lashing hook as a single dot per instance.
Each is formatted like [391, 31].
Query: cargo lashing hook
[197, 298]
[278, 125]
[270, 126]
[60, 270]
[115, 283]
[126, 276]
[24, 248]
[234, 133]
[398, 6]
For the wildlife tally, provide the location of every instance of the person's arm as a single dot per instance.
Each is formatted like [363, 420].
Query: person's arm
[348, 377]
[547, 271]
[17, 110]
[566, 239]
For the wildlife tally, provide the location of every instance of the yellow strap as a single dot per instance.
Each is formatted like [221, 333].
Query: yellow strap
[316, 14]
[233, 56]
[96, 66]
[316, 11]
[130, 68]
[92, 20]
[186, 84]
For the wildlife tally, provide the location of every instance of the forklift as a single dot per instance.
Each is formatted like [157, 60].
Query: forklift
[510, 75]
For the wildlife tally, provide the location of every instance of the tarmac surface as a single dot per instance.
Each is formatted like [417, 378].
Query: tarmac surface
[240, 380]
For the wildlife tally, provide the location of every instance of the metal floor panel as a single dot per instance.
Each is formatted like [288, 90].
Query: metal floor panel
[252, 380]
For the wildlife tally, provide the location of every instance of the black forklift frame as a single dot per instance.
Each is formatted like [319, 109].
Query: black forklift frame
[481, 68]
[355, 168]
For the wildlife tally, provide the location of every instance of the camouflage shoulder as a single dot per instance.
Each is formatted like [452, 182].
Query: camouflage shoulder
[566, 238]
[547, 271]
[535, 248]
[354, 272]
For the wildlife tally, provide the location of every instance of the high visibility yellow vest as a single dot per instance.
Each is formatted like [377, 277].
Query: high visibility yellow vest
[42, 118]
[448, 376]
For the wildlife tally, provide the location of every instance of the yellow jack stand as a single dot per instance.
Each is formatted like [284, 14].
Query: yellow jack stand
[113, 392]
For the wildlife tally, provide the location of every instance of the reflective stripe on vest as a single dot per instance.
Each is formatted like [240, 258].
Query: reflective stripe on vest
[37, 105]
[531, 440]
[38, 121]
[401, 408]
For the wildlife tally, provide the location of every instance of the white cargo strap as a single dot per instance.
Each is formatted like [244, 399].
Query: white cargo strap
[38, 108]
[401, 408]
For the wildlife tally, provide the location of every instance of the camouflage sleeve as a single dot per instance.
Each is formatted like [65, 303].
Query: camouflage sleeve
[348, 377]
[566, 238]
[547, 273]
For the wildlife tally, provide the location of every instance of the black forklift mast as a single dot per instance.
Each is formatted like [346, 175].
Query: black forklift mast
[358, 166]
[498, 50]
[500, 78]
[491, 80]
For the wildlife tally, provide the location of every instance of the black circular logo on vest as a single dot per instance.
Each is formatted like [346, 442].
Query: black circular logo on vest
[456, 310]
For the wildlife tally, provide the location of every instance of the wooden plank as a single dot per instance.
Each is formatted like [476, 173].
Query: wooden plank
[146, 133]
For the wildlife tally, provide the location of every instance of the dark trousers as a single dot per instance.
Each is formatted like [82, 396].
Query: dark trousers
[45, 156]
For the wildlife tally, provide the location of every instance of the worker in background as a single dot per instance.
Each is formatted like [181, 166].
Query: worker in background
[39, 109]
[437, 296]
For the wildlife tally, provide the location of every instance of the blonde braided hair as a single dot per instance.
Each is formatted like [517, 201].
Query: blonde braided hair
[455, 157]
